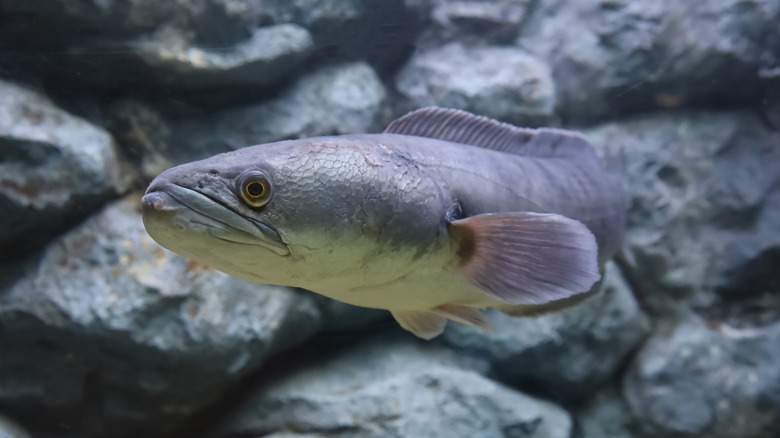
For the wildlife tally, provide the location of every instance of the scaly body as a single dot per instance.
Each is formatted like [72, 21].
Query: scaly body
[409, 221]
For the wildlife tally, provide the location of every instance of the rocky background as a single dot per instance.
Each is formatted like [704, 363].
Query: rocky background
[105, 334]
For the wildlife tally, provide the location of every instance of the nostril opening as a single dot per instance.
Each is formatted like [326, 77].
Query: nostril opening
[213, 172]
[158, 201]
[201, 184]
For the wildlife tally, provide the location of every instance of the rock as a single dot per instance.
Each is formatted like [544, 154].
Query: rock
[341, 317]
[54, 167]
[475, 22]
[9, 429]
[709, 381]
[270, 54]
[107, 332]
[211, 45]
[612, 57]
[770, 103]
[172, 59]
[500, 82]
[144, 133]
[340, 99]
[381, 33]
[567, 355]
[65, 20]
[388, 387]
[703, 183]
[606, 415]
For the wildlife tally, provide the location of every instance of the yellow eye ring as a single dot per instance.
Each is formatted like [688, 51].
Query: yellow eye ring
[255, 188]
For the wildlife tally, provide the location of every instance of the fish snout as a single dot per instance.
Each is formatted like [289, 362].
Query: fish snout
[159, 184]
[158, 202]
[157, 197]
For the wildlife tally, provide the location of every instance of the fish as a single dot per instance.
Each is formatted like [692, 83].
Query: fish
[444, 214]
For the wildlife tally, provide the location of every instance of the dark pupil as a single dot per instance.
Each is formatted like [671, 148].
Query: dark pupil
[255, 189]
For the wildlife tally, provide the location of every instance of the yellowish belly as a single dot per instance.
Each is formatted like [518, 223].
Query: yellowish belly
[420, 290]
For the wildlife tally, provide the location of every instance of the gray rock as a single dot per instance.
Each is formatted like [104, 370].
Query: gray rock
[270, 54]
[9, 429]
[109, 18]
[215, 44]
[475, 22]
[341, 317]
[615, 56]
[606, 415]
[770, 103]
[144, 134]
[175, 61]
[500, 82]
[568, 354]
[54, 167]
[389, 387]
[709, 381]
[339, 99]
[108, 332]
[703, 184]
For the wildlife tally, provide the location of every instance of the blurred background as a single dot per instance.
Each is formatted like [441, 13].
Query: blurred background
[105, 334]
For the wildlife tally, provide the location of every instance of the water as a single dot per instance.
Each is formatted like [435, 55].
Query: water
[104, 333]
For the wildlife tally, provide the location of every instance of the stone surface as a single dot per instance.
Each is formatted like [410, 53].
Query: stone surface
[107, 331]
[606, 415]
[475, 22]
[342, 317]
[54, 167]
[708, 381]
[9, 429]
[770, 101]
[567, 355]
[616, 56]
[175, 61]
[500, 82]
[144, 134]
[703, 183]
[176, 47]
[267, 56]
[388, 387]
[339, 99]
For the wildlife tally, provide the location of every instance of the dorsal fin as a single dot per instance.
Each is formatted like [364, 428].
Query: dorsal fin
[459, 126]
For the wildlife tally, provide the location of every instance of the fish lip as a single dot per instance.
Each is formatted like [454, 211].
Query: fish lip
[249, 231]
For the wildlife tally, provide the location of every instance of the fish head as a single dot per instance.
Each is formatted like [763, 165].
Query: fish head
[216, 211]
[294, 213]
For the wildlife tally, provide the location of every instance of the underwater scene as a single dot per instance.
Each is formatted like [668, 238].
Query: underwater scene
[389, 218]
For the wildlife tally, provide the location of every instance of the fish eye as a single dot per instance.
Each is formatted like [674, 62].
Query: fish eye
[255, 188]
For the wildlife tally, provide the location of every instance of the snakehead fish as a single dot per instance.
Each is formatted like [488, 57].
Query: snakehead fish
[443, 214]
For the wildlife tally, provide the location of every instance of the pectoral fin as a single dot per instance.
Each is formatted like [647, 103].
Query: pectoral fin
[526, 258]
[552, 306]
[423, 324]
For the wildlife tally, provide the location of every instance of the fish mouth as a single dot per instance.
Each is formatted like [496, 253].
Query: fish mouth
[221, 222]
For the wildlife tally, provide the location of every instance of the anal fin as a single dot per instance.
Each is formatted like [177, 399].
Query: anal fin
[465, 315]
[424, 324]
